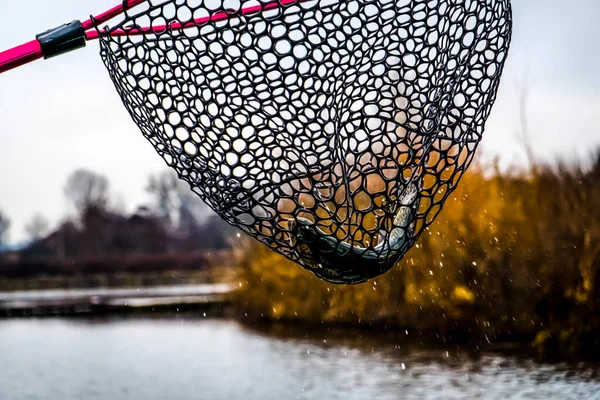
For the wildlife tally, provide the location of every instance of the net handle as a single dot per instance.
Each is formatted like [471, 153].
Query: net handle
[74, 35]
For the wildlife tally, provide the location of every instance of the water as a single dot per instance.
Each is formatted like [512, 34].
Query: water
[155, 291]
[131, 297]
[178, 358]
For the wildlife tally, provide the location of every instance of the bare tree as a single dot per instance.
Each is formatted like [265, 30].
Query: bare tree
[86, 189]
[37, 227]
[174, 200]
[162, 187]
[523, 119]
[4, 227]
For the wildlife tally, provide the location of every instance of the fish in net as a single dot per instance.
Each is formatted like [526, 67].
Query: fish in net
[332, 131]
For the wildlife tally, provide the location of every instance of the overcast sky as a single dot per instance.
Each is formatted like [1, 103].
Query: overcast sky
[62, 114]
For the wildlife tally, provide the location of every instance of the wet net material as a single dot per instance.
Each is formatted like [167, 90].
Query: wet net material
[332, 131]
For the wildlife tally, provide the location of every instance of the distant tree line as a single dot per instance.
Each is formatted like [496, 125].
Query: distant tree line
[175, 221]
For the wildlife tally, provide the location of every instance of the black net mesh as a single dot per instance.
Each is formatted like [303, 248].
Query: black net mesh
[330, 130]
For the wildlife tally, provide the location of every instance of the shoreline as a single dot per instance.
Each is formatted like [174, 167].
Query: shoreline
[102, 301]
[221, 300]
[212, 301]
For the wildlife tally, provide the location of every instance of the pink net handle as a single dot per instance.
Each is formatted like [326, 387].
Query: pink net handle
[20, 55]
[35, 50]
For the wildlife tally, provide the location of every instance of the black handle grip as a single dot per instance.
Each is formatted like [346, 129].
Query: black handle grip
[62, 39]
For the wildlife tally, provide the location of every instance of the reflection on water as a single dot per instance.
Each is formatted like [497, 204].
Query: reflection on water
[38, 302]
[219, 359]
[155, 291]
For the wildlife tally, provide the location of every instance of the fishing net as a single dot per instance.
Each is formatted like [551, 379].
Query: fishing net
[331, 131]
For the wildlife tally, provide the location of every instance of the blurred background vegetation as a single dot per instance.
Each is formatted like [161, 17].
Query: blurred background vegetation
[173, 239]
[514, 256]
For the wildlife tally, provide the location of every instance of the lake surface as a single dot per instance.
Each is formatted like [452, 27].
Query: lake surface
[182, 358]
[155, 291]
[90, 301]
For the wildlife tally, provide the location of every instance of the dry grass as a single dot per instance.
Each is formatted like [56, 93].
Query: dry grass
[512, 255]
